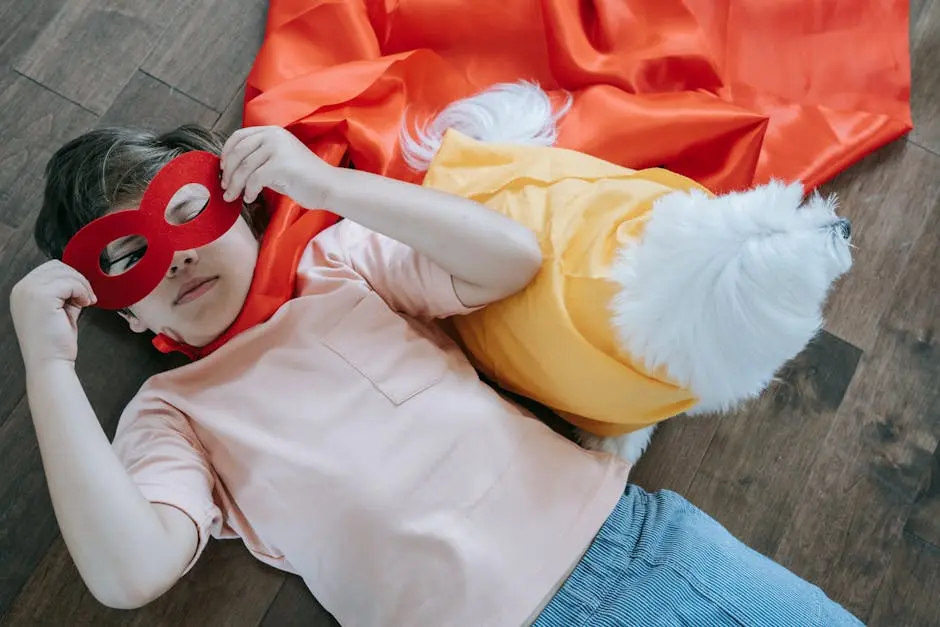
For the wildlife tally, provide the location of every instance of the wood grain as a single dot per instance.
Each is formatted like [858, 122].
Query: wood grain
[149, 103]
[675, 453]
[27, 524]
[231, 118]
[6, 233]
[208, 48]
[91, 49]
[887, 196]
[21, 21]
[33, 124]
[294, 606]
[751, 478]
[910, 596]
[924, 522]
[925, 79]
[873, 464]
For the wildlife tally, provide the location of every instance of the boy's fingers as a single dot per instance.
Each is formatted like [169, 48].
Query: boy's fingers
[68, 291]
[255, 183]
[240, 134]
[81, 298]
[233, 155]
[78, 276]
[246, 169]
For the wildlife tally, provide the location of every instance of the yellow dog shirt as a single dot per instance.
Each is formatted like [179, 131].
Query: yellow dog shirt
[553, 342]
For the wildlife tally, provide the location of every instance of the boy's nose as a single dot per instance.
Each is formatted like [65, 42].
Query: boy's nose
[182, 259]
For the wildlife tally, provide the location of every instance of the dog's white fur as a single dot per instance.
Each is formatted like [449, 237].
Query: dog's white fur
[721, 292]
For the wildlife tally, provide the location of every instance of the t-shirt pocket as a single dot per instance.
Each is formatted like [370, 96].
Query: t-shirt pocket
[397, 356]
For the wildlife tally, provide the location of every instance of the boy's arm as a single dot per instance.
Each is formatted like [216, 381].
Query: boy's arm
[127, 550]
[489, 256]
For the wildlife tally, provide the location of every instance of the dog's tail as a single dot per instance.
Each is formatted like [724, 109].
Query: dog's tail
[513, 113]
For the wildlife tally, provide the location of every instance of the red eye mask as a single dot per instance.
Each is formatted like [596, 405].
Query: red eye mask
[83, 252]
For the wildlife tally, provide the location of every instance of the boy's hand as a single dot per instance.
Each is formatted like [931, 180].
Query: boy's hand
[270, 156]
[45, 305]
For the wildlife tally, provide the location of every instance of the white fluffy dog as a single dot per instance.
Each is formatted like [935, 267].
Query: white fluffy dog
[720, 292]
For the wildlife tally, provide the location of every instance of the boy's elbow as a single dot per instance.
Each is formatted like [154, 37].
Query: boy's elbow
[125, 594]
[117, 600]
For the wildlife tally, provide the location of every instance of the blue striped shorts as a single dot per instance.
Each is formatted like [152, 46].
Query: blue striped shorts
[659, 560]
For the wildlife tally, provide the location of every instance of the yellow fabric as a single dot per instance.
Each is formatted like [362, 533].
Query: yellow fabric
[553, 341]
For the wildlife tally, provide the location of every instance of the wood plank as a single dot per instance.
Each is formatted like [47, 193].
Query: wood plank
[675, 453]
[6, 234]
[208, 49]
[27, 524]
[295, 606]
[924, 523]
[753, 475]
[887, 196]
[910, 594]
[19, 257]
[231, 118]
[873, 464]
[34, 122]
[21, 22]
[925, 80]
[226, 587]
[149, 103]
[91, 49]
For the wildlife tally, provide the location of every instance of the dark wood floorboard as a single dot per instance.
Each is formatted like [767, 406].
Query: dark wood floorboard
[887, 196]
[675, 454]
[925, 51]
[752, 475]
[20, 25]
[902, 602]
[835, 472]
[231, 118]
[879, 454]
[91, 49]
[294, 606]
[148, 102]
[35, 122]
[218, 39]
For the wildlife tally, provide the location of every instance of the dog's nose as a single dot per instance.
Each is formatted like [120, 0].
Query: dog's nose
[845, 228]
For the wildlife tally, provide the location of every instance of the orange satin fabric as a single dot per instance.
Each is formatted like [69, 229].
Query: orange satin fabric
[726, 93]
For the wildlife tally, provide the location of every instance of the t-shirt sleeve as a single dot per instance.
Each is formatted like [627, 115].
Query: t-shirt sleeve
[407, 280]
[160, 451]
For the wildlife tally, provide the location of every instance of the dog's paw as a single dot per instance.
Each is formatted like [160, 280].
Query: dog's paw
[630, 446]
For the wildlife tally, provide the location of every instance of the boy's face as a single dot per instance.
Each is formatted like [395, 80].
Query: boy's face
[204, 289]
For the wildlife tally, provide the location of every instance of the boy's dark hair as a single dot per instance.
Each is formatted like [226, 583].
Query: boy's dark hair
[109, 168]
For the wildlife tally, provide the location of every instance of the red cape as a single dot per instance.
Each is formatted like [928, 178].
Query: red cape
[727, 93]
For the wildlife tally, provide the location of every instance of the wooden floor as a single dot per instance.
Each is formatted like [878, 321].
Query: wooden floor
[835, 472]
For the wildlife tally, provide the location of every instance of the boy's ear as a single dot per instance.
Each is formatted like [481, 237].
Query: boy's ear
[133, 321]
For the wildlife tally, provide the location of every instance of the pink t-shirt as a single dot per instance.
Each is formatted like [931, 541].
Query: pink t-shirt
[348, 443]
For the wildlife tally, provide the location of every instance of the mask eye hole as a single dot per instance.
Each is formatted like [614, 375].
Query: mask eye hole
[186, 204]
[122, 254]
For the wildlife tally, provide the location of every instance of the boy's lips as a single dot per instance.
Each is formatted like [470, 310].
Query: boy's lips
[194, 288]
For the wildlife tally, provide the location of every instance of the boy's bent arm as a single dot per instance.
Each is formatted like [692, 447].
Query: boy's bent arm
[489, 255]
[127, 550]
